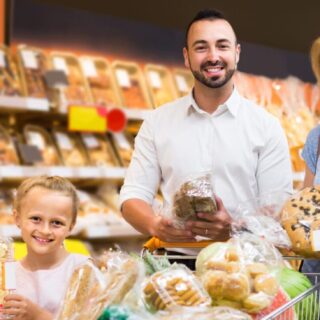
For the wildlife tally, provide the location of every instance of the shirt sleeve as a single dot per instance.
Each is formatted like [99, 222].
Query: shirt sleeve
[143, 175]
[309, 152]
[274, 171]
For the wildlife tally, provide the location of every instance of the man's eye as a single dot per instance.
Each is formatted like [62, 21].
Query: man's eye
[200, 48]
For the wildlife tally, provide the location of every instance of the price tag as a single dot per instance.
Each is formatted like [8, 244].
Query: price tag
[315, 240]
[122, 141]
[182, 83]
[89, 68]
[90, 141]
[63, 140]
[3, 63]
[123, 78]
[86, 119]
[29, 59]
[155, 79]
[9, 276]
[60, 64]
[36, 139]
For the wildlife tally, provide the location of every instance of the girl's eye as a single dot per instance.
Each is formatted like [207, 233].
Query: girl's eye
[57, 223]
[35, 219]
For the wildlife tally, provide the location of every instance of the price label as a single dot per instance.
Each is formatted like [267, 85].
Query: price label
[59, 63]
[182, 83]
[90, 141]
[63, 140]
[155, 79]
[36, 139]
[123, 78]
[122, 141]
[3, 63]
[89, 68]
[29, 59]
[86, 119]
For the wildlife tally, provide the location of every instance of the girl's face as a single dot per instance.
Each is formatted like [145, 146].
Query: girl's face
[45, 220]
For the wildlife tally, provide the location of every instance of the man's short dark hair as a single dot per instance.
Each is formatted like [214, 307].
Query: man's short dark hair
[206, 14]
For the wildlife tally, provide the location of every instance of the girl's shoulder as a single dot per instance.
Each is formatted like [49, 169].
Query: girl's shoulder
[77, 259]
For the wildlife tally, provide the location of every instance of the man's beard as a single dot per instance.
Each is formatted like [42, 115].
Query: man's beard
[213, 82]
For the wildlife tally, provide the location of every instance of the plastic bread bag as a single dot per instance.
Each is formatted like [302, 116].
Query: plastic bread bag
[172, 287]
[261, 217]
[195, 195]
[215, 313]
[86, 284]
[301, 219]
[236, 274]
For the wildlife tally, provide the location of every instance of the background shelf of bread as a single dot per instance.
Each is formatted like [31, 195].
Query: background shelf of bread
[140, 87]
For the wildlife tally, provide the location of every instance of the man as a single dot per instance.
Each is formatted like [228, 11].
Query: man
[213, 129]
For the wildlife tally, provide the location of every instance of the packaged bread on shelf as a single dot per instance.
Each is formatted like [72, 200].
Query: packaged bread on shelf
[173, 287]
[183, 81]
[8, 154]
[6, 203]
[33, 64]
[39, 137]
[77, 90]
[70, 147]
[131, 85]
[123, 147]
[99, 150]
[101, 81]
[300, 217]
[10, 84]
[160, 84]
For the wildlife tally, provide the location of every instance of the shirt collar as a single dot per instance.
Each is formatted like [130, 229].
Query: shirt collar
[232, 105]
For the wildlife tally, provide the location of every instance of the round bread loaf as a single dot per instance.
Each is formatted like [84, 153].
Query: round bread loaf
[300, 217]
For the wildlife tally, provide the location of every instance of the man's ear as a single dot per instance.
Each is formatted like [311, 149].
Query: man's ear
[16, 217]
[186, 57]
[238, 50]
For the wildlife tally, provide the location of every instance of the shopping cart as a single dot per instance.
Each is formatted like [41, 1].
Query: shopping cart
[306, 305]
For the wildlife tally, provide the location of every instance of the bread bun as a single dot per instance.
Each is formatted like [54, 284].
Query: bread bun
[299, 217]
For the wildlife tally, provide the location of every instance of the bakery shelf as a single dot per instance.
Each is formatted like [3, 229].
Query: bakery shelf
[22, 172]
[24, 103]
[136, 114]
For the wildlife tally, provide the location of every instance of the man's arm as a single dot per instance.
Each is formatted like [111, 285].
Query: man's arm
[141, 216]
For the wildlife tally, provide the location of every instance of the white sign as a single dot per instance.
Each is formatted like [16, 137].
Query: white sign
[3, 63]
[89, 68]
[123, 78]
[155, 79]
[182, 84]
[59, 63]
[90, 141]
[122, 141]
[29, 59]
[37, 139]
[63, 140]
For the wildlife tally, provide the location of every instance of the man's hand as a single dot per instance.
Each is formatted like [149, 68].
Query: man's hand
[23, 309]
[214, 226]
[165, 231]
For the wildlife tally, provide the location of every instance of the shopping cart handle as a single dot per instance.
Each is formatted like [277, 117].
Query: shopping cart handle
[155, 243]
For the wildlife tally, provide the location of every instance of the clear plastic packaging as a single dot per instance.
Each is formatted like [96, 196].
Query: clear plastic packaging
[7, 271]
[8, 154]
[261, 217]
[238, 273]
[194, 196]
[172, 287]
[301, 219]
[215, 313]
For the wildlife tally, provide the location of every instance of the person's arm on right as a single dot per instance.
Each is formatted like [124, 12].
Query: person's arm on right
[308, 178]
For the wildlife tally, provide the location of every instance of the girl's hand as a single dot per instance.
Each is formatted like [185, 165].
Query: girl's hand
[23, 309]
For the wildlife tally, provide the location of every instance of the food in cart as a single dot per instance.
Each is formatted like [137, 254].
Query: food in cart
[301, 219]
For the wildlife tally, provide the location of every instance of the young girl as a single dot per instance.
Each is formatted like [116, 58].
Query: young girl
[45, 210]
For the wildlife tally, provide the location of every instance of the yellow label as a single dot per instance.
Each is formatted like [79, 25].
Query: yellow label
[87, 119]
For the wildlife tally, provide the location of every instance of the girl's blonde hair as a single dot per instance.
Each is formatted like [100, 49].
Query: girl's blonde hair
[54, 183]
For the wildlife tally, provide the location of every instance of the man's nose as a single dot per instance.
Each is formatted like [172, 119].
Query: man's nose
[213, 54]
